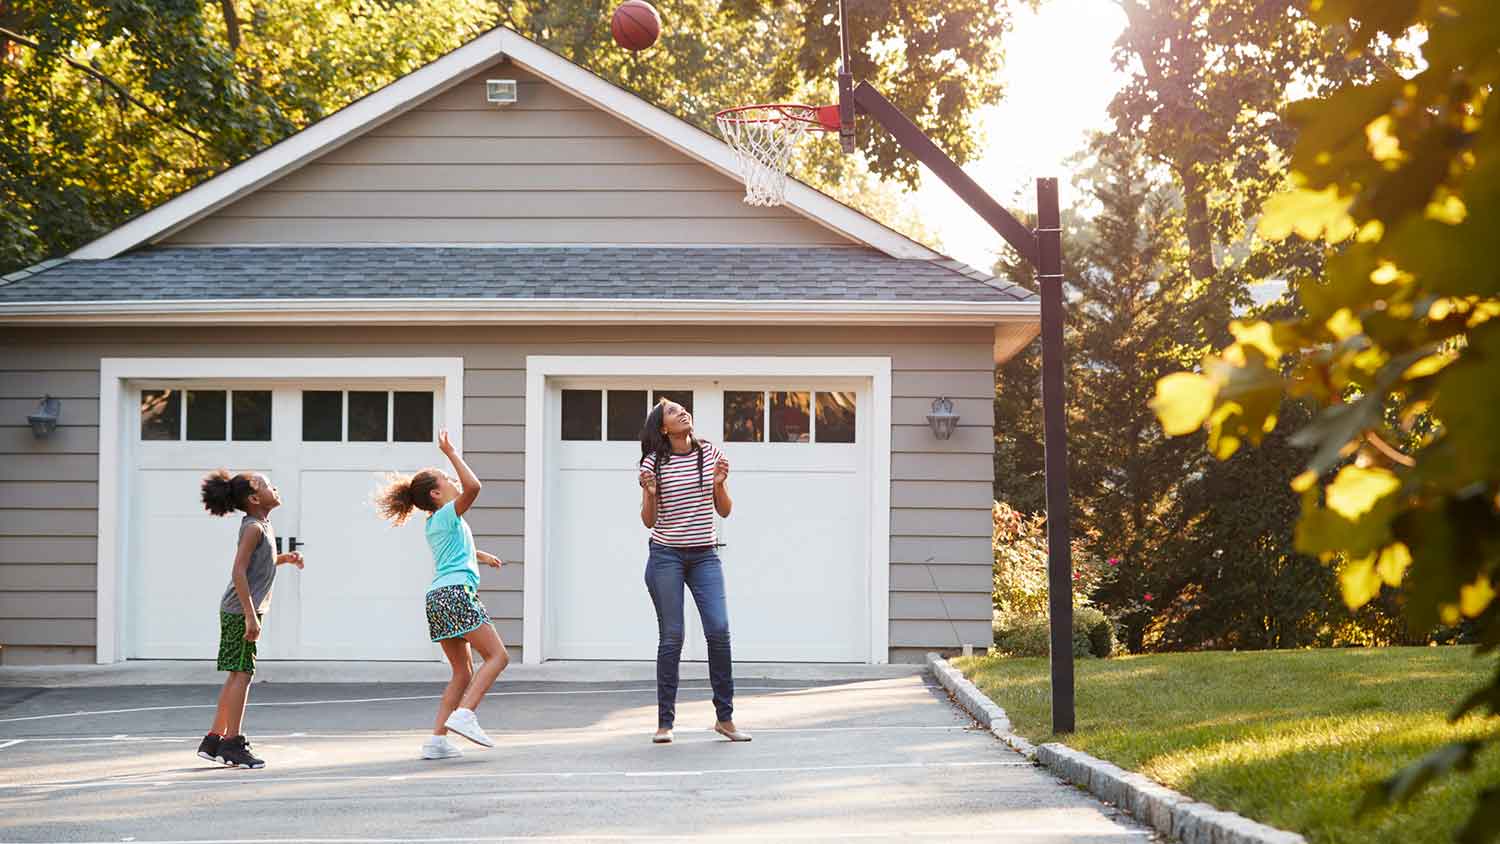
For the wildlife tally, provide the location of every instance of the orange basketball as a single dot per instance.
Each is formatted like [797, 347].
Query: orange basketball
[635, 25]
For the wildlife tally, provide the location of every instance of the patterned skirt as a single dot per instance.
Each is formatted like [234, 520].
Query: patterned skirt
[453, 611]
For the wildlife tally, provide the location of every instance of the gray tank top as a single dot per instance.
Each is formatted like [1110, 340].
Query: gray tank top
[261, 571]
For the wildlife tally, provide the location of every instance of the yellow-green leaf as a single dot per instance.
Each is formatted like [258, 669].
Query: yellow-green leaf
[1447, 208]
[1427, 366]
[1359, 582]
[1344, 324]
[1309, 213]
[1355, 490]
[1183, 401]
[1384, 146]
[1392, 563]
[1474, 597]
[1258, 334]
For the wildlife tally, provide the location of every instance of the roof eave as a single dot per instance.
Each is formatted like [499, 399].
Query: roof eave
[427, 311]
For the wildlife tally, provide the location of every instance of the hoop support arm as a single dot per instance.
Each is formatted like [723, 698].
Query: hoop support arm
[910, 136]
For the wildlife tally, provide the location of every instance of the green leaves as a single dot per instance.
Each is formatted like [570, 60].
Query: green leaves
[1399, 180]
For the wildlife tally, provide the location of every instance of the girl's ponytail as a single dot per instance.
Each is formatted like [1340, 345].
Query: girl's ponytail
[222, 492]
[404, 493]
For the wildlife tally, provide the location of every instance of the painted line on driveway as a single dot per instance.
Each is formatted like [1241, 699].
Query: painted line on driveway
[89, 713]
[419, 733]
[246, 778]
[11, 743]
[1066, 833]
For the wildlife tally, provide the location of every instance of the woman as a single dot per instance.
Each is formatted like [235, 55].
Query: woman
[683, 483]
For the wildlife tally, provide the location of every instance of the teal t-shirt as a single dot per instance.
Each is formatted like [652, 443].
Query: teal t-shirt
[452, 545]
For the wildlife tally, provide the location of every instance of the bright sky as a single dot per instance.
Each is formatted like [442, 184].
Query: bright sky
[1058, 83]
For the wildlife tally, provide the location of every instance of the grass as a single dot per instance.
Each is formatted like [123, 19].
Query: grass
[1289, 738]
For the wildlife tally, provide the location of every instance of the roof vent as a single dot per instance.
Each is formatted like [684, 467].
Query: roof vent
[500, 91]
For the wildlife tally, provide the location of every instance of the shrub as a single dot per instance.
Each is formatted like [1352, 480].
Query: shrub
[1023, 635]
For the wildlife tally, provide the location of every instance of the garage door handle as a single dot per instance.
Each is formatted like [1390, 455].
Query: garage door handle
[292, 544]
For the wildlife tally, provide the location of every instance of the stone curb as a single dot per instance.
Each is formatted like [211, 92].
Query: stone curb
[1170, 812]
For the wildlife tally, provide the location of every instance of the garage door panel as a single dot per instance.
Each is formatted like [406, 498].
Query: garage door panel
[184, 561]
[599, 607]
[792, 556]
[363, 587]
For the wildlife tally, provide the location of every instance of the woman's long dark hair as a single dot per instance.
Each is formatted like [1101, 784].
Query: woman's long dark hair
[655, 443]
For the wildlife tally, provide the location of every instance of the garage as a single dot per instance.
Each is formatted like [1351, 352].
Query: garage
[326, 444]
[799, 550]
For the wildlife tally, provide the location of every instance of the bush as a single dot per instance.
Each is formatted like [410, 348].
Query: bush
[1093, 635]
[1019, 542]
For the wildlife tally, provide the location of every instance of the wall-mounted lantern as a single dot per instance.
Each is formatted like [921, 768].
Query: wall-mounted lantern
[942, 418]
[44, 421]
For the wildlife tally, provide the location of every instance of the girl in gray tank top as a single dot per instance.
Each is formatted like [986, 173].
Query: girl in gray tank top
[244, 603]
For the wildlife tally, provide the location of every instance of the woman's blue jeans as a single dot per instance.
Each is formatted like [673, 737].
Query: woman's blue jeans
[667, 570]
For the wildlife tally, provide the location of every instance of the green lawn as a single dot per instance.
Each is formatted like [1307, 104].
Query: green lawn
[1285, 737]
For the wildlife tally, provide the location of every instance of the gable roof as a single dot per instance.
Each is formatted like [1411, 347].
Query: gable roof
[507, 273]
[434, 78]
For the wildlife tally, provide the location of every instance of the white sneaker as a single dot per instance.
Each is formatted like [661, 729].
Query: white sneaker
[438, 747]
[466, 723]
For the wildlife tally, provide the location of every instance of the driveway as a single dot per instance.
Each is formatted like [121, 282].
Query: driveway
[865, 759]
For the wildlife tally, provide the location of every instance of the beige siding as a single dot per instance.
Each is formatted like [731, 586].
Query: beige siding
[940, 490]
[550, 170]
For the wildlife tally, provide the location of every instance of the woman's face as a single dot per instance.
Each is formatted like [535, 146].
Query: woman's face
[675, 420]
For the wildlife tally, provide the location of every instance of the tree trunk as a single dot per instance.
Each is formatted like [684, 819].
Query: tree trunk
[231, 24]
[1199, 228]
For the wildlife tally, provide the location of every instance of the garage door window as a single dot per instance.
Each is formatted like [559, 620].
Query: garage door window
[789, 416]
[374, 416]
[211, 415]
[613, 415]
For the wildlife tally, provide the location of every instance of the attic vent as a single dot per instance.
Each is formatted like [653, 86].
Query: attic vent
[500, 91]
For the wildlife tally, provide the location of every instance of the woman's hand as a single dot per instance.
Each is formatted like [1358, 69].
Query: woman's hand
[252, 628]
[444, 445]
[721, 471]
[488, 559]
[648, 481]
[290, 558]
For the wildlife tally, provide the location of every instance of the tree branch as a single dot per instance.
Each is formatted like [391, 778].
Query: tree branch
[231, 24]
[118, 88]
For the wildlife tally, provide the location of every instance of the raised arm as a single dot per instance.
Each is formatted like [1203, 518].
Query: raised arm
[469, 485]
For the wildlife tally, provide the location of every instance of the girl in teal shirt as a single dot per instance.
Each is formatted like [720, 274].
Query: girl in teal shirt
[455, 617]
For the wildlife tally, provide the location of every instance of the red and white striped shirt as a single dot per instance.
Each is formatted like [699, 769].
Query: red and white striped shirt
[685, 515]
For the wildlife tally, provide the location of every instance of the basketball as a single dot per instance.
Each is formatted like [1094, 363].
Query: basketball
[635, 25]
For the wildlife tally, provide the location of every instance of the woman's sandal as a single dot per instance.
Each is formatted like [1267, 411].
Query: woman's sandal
[664, 738]
[732, 735]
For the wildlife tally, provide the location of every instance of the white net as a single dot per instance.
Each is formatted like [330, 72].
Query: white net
[763, 139]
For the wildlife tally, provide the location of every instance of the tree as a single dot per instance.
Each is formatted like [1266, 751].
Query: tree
[1397, 346]
[110, 107]
[1208, 82]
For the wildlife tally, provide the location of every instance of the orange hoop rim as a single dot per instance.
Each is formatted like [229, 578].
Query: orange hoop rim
[822, 119]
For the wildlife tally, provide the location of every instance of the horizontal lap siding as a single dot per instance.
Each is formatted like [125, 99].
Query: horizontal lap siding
[549, 170]
[940, 490]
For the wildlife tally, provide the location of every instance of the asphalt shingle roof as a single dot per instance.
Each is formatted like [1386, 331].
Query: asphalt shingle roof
[738, 273]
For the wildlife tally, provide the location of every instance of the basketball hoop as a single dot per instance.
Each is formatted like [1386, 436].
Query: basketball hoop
[763, 138]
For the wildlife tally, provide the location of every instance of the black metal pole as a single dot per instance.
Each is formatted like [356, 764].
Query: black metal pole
[1043, 250]
[1054, 432]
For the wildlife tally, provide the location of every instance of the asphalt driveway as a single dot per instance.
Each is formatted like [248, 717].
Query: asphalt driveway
[876, 759]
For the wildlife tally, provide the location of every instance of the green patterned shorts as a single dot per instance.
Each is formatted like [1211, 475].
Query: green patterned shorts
[235, 654]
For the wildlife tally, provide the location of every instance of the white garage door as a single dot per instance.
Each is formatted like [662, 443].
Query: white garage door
[327, 448]
[795, 549]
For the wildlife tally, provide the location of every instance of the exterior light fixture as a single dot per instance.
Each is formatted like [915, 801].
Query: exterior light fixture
[44, 421]
[942, 418]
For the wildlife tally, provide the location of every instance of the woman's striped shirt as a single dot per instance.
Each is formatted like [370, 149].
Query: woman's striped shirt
[685, 515]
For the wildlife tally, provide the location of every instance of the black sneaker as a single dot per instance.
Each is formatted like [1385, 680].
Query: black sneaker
[235, 752]
[209, 749]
